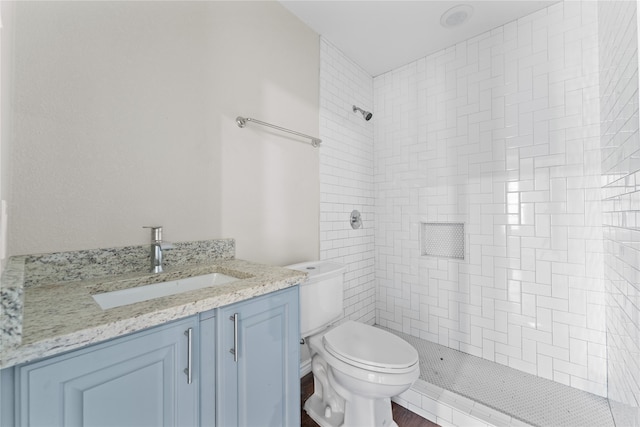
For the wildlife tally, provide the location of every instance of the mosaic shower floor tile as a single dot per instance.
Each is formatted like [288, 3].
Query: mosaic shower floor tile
[534, 400]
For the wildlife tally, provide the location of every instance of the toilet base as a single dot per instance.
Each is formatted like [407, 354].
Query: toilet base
[332, 405]
[362, 411]
[317, 411]
[315, 407]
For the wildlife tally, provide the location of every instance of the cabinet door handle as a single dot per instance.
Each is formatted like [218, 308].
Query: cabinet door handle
[188, 370]
[234, 350]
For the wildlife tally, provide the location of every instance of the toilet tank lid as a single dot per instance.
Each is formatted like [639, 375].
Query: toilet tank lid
[318, 269]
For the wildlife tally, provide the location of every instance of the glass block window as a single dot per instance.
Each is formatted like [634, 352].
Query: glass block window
[442, 239]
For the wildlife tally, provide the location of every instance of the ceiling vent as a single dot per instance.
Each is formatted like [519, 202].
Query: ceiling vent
[456, 16]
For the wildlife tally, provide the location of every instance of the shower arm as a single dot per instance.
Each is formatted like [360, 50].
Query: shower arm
[365, 114]
[242, 122]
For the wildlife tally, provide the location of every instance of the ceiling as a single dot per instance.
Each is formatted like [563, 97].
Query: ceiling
[383, 35]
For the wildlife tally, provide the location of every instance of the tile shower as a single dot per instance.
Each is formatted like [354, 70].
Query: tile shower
[501, 132]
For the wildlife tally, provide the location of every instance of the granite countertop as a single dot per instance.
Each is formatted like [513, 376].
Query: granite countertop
[49, 316]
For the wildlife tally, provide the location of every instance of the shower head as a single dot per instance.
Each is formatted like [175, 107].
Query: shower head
[366, 114]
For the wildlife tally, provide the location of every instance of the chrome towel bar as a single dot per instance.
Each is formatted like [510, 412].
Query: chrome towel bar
[242, 122]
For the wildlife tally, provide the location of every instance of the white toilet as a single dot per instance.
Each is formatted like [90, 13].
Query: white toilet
[356, 368]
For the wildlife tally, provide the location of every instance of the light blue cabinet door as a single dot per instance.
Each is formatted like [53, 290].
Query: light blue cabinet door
[261, 388]
[208, 369]
[137, 380]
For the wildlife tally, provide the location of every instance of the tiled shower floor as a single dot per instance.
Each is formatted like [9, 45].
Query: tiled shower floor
[523, 396]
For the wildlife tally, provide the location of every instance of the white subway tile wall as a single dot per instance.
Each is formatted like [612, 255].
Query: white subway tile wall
[500, 132]
[346, 178]
[618, 40]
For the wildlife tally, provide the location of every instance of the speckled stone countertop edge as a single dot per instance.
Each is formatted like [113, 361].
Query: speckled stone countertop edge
[42, 319]
[11, 296]
[26, 271]
[83, 337]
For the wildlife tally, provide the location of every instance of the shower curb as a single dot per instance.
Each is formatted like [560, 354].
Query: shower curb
[448, 409]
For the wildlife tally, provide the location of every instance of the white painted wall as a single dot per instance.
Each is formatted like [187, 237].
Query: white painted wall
[500, 132]
[125, 116]
[6, 109]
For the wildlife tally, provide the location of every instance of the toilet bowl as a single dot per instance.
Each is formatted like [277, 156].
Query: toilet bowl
[357, 368]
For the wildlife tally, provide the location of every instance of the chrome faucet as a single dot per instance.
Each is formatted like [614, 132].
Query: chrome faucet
[156, 249]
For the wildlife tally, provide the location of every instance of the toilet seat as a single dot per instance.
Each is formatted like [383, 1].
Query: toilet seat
[370, 348]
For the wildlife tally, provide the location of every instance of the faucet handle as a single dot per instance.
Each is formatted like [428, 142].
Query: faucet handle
[165, 246]
[156, 233]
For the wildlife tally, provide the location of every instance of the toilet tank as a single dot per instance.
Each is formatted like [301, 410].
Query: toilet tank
[321, 295]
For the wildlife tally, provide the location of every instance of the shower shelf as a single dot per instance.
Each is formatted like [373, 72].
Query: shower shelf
[442, 239]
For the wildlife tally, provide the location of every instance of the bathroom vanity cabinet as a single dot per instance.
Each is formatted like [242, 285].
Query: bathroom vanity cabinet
[258, 376]
[178, 374]
[133, 380]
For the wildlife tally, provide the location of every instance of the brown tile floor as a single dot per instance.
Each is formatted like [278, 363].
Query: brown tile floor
[402, 416]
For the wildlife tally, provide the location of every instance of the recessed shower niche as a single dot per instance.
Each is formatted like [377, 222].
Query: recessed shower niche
[442, 239]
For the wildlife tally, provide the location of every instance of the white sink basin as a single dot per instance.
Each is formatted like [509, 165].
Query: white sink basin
[144, 293]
